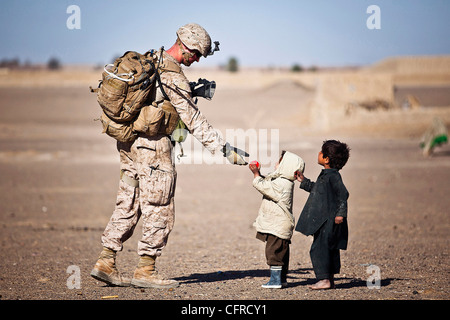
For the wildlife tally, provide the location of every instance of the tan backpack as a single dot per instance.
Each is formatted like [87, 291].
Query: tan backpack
[125, 85]
[123, 96]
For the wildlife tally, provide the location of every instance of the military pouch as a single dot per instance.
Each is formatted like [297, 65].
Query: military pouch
[149, 120]
[122, 132]
[160, 186]
[111, 95]
[134, 101]
[171, 118]
[180, 133]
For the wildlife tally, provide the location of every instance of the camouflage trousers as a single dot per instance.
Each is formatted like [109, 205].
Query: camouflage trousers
[150, 161]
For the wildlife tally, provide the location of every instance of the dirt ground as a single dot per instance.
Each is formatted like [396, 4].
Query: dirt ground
[59, 178]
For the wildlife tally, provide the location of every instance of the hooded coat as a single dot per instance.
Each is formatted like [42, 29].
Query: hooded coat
[275, 213]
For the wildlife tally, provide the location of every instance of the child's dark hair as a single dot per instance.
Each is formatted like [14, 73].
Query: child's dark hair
[337, 152]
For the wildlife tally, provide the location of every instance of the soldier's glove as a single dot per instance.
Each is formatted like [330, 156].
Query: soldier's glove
[234, 155]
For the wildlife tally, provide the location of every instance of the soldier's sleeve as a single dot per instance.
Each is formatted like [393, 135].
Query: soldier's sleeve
[178, 90]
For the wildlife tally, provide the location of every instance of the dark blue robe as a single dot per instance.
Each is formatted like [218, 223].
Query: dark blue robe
[327, 199]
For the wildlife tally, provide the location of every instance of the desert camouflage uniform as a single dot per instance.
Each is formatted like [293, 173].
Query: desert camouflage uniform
[150, 160]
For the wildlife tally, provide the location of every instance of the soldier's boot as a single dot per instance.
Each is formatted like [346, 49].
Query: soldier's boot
[105, 269]
[146, 276]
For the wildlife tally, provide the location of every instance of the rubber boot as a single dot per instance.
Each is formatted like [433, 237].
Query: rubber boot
[146, 276]
[105, 269]
[275, 278]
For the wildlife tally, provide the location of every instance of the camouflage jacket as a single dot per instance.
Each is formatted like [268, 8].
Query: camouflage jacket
[176, 86]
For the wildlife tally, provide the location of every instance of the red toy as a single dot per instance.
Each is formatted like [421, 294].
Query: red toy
[258, 165]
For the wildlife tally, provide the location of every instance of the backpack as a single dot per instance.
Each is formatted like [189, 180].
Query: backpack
[123, 94]
[126, 85]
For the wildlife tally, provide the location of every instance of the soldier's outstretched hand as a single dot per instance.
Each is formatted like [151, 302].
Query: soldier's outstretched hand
[234, 155]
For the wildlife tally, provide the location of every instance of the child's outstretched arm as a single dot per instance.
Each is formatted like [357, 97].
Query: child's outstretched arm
[254, 168]
[299, 176]
[265, 187]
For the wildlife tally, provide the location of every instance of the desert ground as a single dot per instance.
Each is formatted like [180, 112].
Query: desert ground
[59, 178]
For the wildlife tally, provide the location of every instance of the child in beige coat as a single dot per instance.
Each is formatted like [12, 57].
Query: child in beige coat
[275, 221]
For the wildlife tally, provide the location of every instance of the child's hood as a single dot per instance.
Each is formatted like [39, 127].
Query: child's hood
[288, 165]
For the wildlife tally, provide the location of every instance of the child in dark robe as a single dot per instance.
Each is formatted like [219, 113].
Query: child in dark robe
[325, 213]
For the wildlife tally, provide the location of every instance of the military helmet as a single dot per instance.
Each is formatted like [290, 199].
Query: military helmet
[195, 37]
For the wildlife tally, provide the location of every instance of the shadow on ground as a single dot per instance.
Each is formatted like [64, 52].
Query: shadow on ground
[344, 282]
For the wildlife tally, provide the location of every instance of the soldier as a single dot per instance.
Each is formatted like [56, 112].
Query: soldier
[148, 175]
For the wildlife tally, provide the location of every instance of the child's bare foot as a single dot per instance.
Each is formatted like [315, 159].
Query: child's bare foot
[322, 284]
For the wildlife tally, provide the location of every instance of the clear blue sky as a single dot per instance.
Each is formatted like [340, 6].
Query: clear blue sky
[256, 32]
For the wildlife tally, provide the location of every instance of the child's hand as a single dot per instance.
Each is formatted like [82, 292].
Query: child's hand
[254, 168]
[299, 176]
[338, 220]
